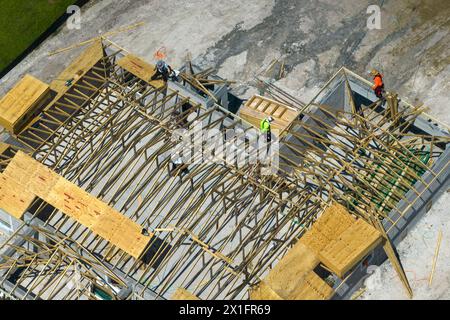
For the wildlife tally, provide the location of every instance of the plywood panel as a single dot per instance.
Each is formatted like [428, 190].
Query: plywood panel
[290, 271]
[32, 178]
[140, 69]
[129, 236]
[258, 108]
[82, 64]
[109, 224]
[42, 181]
[182, 294]
[263, 292]
[13, 199]
[337, 240]
[315, 240]
[19, 104]
[293, 278]
[312, 288]
[350, 247]
[334, 221]
[20, 170]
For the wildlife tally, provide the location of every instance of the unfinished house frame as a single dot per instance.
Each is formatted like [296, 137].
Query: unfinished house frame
[216, 230]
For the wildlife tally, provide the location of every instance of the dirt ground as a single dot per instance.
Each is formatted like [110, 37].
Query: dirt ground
[315, 38]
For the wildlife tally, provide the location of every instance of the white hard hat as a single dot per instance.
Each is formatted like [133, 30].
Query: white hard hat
[270, 119]
[160, 64]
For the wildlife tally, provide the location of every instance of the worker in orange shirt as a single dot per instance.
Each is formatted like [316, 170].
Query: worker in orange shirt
[378, 86]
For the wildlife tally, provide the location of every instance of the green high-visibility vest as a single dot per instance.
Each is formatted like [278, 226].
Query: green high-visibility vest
[265, 126]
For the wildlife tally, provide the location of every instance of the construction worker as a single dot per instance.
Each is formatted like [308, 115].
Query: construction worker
[179, 168]
[164, 71]
[378, 86]
[266, 128]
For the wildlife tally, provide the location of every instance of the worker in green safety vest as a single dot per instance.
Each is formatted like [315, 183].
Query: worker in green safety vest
[265, 127]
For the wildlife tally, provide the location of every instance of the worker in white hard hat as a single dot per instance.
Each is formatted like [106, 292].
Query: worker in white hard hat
[179, 168]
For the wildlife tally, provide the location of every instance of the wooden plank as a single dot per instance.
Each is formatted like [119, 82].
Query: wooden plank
[30, 177]
[20, 169]
[140, 69]
[258, 108]
[435, 258]
[343, 253]
[293, 278]
[129, 237]
[13, 199]
[337, 240]
[182, 294]
[20, 103]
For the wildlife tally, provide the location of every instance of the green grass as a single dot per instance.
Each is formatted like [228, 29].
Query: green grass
[23, 21]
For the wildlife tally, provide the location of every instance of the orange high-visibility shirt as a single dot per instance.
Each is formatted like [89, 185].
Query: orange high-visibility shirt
[378, 81]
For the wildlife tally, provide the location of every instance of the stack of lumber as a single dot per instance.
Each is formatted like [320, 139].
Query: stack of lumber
[258, 108]
[23, 102]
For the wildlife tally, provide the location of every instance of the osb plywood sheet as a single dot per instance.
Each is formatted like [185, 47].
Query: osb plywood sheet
[337, 239]
[312, 288]
[13, 198]
[32, 175]
[21, 100]
[83, 63]
[334, 221]
[182, 294]
[258, 108]
[315, 240]
[330, 225]
[140, 69]
[293, 278]
[20, 169]
[350, 247]
[263, 292]
[34, 178]
[288, 274]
